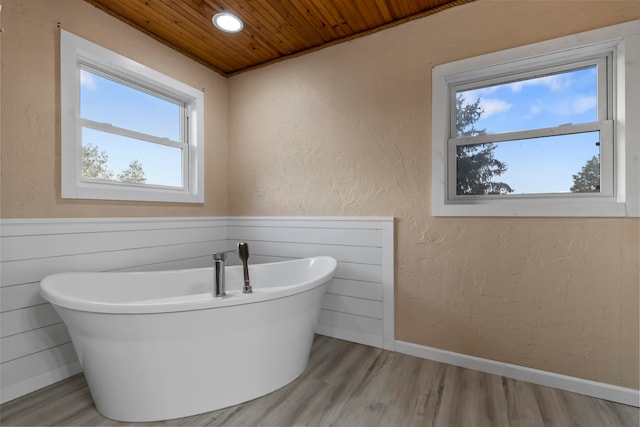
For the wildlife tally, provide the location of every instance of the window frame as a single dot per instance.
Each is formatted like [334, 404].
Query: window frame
[619, 137]
[77, 54]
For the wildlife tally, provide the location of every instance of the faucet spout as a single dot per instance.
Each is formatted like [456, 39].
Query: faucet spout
[219, 260]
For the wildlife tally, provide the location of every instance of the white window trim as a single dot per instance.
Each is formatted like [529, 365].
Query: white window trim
[74, 51]
[625, 200]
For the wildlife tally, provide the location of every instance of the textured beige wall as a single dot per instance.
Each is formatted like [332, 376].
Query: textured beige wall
[346, 131]
[31, 110]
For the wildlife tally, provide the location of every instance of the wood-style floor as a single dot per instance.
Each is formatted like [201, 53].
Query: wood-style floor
[347, 384]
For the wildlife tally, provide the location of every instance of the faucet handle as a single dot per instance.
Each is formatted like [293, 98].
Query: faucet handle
[243, 251]
[221, 256]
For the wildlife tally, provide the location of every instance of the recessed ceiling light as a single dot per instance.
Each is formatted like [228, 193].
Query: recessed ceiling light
[227, 22]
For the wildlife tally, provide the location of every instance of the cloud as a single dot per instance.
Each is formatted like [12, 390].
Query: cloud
[490, 106]
[554, 83]
[471, 96]
[494, 106]
[485, 90]
[87, 81]
[573, 106]
[584, 103]
[534, 110]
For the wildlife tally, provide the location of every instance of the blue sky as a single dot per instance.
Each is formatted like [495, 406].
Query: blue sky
[543, 165]
[105, 101]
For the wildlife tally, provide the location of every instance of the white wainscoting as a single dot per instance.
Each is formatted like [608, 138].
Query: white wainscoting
[35, 349]
[359, 303]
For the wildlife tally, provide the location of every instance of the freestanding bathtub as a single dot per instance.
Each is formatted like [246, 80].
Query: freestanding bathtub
[158, 345]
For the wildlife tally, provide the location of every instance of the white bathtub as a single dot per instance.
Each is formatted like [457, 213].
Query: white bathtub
[158, 345]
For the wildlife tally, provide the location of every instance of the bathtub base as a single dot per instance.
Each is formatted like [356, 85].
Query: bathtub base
[160, 366]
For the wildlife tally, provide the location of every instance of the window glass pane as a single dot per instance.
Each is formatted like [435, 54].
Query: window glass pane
[547, 101]
[106, 101]
[109, 157]
[555, 164]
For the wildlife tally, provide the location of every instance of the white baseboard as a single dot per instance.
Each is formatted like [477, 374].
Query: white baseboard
[35, 383]
[626, 396]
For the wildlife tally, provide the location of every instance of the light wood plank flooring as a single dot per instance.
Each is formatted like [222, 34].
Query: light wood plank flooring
[347, 384]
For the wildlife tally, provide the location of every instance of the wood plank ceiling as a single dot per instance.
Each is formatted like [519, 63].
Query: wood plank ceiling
[273, 29]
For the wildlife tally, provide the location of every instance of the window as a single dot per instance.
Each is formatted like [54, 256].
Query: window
[540, 130]
[128, 132]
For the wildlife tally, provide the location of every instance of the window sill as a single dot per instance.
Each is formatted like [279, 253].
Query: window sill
[540, 207]
[102, 191]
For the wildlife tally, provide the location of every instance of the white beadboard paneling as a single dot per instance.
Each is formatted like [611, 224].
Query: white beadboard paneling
[27, 319]
[55, 245]
[19, 345]
[20, 296]
[257, 259]
[355, 288]
[23, 368]
[362, 287]
[363, 272]
[363, 284]
[198, 262]
[360, 254]
[35, 345]
[351, 305]
[345, 270]
[367, 223]
[360, 329]
[36, 226]
[31, 270]
[319, 235]
[13, 391]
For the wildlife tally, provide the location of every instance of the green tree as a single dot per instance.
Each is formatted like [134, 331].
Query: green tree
[134, 173]
[476, 164]
[94, 166]
[588, 179]
[94, 163]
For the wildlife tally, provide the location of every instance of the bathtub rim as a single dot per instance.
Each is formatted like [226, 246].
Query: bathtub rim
[200, 301]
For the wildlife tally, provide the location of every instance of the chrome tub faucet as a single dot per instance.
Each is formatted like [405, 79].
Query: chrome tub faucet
[219, 259]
